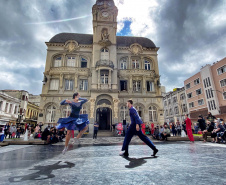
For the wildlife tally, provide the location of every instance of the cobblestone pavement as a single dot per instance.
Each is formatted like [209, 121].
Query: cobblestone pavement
[177, 163]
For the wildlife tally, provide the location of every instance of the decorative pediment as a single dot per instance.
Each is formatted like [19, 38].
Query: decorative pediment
[71, 45]
[136, 49]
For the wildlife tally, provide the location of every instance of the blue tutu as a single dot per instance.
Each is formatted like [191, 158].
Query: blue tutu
[74, 123]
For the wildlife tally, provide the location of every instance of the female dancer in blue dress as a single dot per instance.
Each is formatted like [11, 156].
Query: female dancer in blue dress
[75, 121]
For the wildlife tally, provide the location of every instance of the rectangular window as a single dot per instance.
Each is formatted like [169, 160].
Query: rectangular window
[211, 102]
[54, 84]
[169, 102]
[204, 81]
[147, 65]
[10, 108]
[201, 102]
[182, 97]
[6, 107]
[15, 110]
[209, 105]
[207, 94]
[123, 85]
[1, 103]
[83, 85]
[209, 81]
[136, 86]
[191, 104]
[188, 86]
[221, 70]
[224, 95]
[211, 91]
[174, 99]
[223, 82]
[71, 61]
[199, 91]
[150, 86]
[214, 105]
[104, 79]
[165, 103]
[196, 81]
[84, 63]
[57, 62]
[189, 95]
[135, 64]
[69, 84]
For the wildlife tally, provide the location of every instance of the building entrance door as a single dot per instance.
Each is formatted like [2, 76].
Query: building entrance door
[104, 118]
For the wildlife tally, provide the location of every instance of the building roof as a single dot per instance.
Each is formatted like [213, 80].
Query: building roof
[87, 39]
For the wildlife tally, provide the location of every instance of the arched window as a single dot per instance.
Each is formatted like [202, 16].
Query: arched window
[71, 61]
[171, 112]
[153, 114]
[104, 54]
[83, 63]
[147, 65]
[135, 64]
[124, 113]
[50, 114]
[57, 62]
[83, 110]
[139, 110]
[66, 111]
[123, 63]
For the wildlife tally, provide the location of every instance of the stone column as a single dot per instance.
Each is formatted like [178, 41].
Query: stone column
[98, 78]
[77, 61]
[144, 83]
[130, 65]
[76, 81]
[64, 60]
[131, 82]
[142, 62]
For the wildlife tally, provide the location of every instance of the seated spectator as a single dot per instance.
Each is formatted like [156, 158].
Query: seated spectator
[46, 135]
[2, 135]
[61, 134]
[178, 128]
[156, 133]
[208, 131]
[54, 137]
[174, 129]
[196, 128]
[217, 132]
[166, 133]
[202, 123]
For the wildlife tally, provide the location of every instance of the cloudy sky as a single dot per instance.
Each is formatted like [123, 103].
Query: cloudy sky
[190, 34]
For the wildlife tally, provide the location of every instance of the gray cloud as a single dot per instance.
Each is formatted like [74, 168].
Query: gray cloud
[189, 34]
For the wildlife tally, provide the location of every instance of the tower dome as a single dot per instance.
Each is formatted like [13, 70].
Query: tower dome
[108, 2]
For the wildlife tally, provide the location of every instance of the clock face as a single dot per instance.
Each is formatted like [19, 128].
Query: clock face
[105, 14]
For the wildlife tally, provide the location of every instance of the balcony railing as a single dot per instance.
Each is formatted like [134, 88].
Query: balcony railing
[105, 63]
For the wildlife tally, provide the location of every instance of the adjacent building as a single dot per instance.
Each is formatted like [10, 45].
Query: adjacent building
[175, 105]
[9, 107]
[104, 68]
[205, 91]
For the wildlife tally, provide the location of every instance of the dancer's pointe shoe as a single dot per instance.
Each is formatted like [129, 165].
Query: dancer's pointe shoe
[65, 150]
[124, 154]
[76, 141]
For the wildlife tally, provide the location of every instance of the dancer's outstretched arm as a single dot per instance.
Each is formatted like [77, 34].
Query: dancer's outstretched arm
[83, 100]
[65, 102]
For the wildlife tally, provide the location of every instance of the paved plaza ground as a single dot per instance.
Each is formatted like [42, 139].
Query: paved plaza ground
[177, 163]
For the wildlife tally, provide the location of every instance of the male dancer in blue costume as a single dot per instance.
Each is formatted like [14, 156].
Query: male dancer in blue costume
[135, 129]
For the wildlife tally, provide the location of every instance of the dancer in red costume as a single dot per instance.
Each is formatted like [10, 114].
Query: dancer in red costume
[188, 128]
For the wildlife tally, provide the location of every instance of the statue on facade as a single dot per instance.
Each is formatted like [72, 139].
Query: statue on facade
[116, 102]
[92, 107]
[105, 38]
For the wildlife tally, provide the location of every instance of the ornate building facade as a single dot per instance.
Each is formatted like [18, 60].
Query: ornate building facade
[104, 68]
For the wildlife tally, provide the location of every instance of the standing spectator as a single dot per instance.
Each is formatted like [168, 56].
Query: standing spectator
[96, 126]
[18, 131]
[188, 128]
[13, 131]
[208, 131]
[184, 127]
[178, 128]
[152, 128]
[29, 132]
[210, 117]
[161, 131]
[40, 125]
[174, 131]
[1, 134]
[26, 125]
[6, 129]
[37, 128]
[166, 133]
[202, 123]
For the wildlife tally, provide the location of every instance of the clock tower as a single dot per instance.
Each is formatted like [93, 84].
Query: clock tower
[104, 45]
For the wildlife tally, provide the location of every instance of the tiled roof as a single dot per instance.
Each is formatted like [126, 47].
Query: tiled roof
[122, 41]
